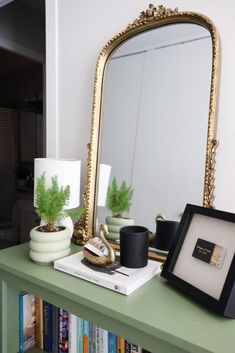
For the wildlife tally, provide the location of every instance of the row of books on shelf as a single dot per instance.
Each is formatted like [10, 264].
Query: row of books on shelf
[54, 330]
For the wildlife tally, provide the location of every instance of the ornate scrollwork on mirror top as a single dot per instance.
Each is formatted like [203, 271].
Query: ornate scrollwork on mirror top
[154, 16]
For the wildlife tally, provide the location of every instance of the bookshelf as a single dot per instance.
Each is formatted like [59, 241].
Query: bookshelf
[156, 316]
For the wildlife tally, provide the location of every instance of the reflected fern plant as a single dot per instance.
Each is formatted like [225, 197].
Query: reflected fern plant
[119, 199]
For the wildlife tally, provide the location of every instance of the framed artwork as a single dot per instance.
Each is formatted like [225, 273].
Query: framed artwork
[201, 261]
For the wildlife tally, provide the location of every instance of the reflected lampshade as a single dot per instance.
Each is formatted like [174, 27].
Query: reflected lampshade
[105, 171]
[68, 172]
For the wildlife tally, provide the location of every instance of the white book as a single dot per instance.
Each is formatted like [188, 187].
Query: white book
[72, 333]
[123, 280]
[135, 348]
[97, 339]
[103, 341]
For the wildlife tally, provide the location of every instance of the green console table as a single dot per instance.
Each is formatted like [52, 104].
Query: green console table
[156, 316]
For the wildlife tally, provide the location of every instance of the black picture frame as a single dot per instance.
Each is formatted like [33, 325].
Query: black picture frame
[189, 274]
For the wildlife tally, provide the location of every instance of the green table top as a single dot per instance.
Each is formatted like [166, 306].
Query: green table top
[156, 308]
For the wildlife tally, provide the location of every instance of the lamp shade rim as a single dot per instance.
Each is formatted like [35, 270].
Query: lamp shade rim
[68, 172]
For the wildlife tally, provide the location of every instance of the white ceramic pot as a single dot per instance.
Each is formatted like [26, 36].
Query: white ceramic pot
[46, 247]
[115, 224]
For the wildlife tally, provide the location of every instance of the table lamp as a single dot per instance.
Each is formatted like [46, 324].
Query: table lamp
[68, 172]
[105, 171]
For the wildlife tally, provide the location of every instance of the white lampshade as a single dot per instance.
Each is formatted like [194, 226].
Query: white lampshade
[68, 172]
[105, 171]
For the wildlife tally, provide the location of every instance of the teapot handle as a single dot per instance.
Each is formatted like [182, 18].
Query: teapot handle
[160, 217]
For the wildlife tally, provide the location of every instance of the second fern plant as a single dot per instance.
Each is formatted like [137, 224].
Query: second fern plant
[118, 202]
[119, 199]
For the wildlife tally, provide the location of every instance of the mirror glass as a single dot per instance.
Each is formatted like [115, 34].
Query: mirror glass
[155, 119]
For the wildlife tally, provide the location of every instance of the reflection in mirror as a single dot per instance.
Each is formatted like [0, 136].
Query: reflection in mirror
[155, 119]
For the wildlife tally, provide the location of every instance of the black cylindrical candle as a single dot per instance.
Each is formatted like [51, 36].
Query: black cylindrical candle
[165, 233]
[134, 242]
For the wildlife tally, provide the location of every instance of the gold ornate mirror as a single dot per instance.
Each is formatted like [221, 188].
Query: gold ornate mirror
[154, 116]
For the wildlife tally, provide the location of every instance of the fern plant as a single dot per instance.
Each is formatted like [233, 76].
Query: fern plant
[50, 203]
[119, 199]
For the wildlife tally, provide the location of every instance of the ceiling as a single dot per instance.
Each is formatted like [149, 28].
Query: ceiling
[12, 64]
[37, 5]
[5, 2]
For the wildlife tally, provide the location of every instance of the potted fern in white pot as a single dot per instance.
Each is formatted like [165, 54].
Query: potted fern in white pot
[118, 202]
[51, 241]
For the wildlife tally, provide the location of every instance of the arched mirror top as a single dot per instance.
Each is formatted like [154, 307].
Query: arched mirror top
[153, 17]
[156, 17]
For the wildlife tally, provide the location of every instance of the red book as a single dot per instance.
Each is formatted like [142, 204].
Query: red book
[85, 344]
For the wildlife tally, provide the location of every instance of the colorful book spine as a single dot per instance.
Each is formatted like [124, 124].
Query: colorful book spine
[112, 343]
[103, 341]
[21, 328]
[27, 321]
[63, 331]
[92, 337]
[97, 339]
[55, 329]
[39, 322]
[47, 326]
[135, 348]
[79, 335]
[120, 344]
[72, 334]
[86, 333]
[127, 346]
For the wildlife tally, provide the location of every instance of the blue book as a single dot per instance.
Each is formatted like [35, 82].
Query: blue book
[21, 343]
[27, 328]
[112, 343]
[55, 329]
[79, 334]
[47, 325]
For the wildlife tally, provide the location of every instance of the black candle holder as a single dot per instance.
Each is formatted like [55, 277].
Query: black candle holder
[134, 246]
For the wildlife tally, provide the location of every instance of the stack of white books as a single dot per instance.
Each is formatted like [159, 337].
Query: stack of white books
[118, 278]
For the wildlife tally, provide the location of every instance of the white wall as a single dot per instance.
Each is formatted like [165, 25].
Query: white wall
[80, 29]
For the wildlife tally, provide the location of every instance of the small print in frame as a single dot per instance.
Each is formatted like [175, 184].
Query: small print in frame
[209, 252]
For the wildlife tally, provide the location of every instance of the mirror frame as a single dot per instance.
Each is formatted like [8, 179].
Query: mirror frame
[153, 17]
